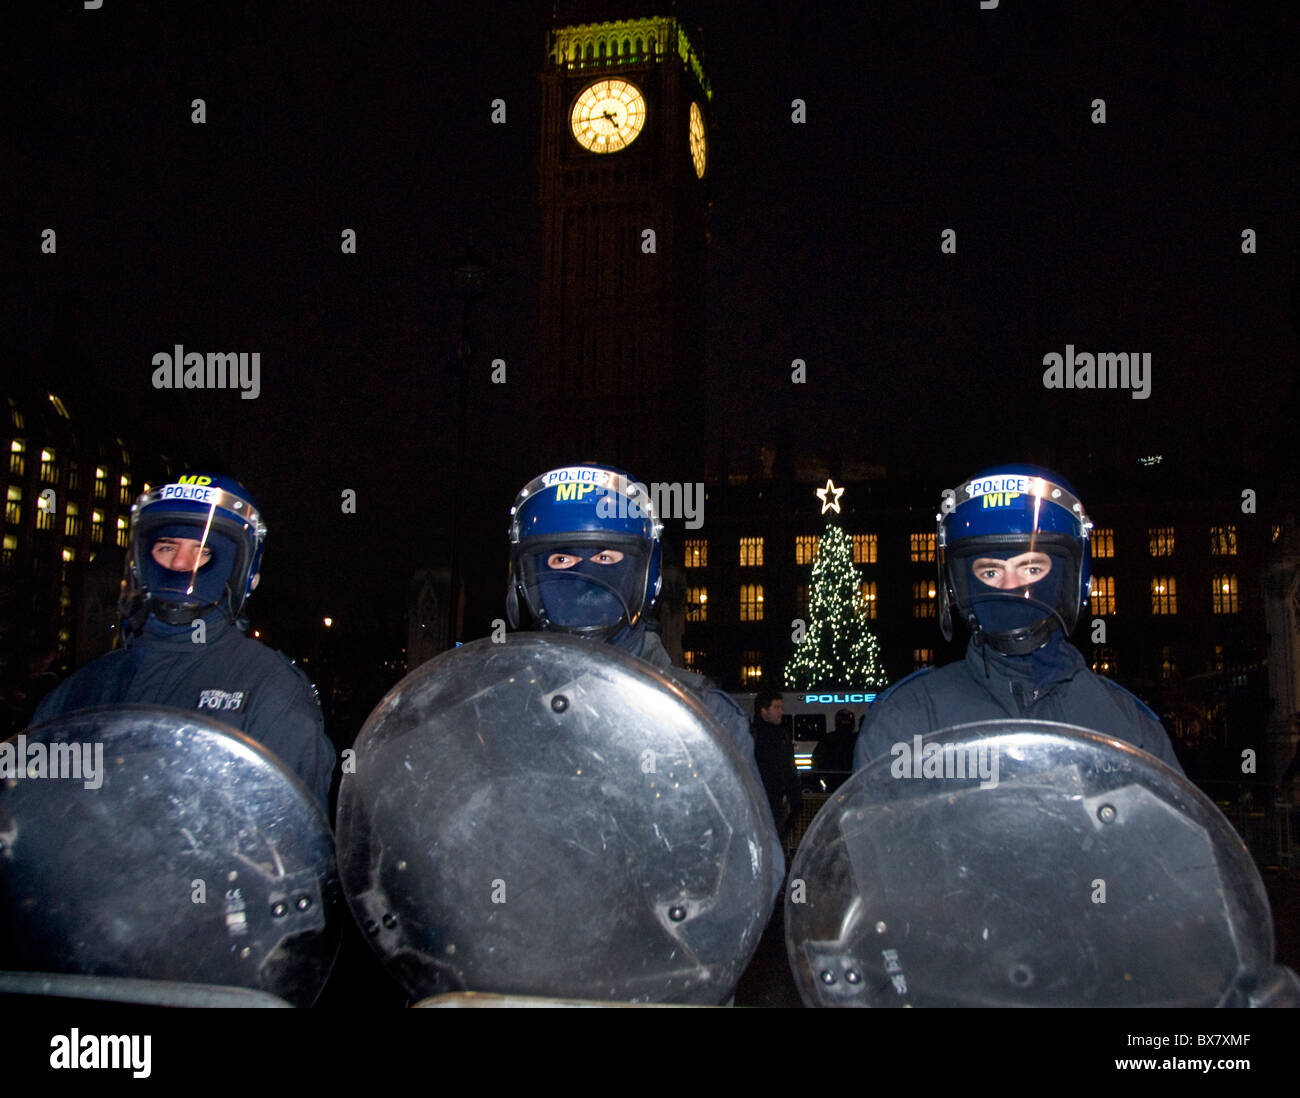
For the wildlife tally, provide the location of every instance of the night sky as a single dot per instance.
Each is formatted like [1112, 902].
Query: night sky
[825, 243]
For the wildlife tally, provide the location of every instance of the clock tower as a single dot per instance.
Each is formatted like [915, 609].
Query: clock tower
[624, 173]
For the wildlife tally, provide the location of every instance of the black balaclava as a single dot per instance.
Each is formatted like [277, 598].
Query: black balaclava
[171, 600]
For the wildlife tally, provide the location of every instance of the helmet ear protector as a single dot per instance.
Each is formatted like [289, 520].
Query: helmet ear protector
[218, 512]
[1002, 514]
[559, 525]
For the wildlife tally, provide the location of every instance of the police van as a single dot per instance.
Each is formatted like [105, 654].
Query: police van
[810, 717]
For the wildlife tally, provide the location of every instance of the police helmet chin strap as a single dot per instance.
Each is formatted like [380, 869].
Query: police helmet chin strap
[1015, 642]
[171, 614]
[512, 603]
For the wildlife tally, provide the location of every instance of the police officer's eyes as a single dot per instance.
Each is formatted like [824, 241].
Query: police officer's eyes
[608, 556]
[561, 560]
[205, 554]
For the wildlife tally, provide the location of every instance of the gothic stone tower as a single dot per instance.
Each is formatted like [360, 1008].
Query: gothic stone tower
[624, 198]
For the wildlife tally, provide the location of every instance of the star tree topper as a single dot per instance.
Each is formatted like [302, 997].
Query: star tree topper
[830, 497]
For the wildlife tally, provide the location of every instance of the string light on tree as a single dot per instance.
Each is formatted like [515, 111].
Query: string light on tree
[839, 648]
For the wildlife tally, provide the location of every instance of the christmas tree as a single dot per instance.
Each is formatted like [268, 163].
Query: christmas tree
[838, 647]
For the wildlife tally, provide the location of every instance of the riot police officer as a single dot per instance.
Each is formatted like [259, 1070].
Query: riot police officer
[195, 557]
[585, 557]
[1014, 567]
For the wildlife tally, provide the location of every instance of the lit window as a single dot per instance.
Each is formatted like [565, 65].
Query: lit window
[1223, 541]
[49, 467]
[751, 671]
[1168, 666]
[44, 513]
[101, 482]
[1161, 541]
[922, 548]
[1224, 594]
[96, 526]
[10, 548]
[14, 505]
[867, 597]
[923, 598]
[806, 548]
[125, 494]
[17, 460]
[1216, 660]
[1103, 543]
[694, 660]
[864, 548]
[1102, 598]
[751, 552]
[696, 553]
[59, 407]
[697, 604]
[922, 657]
[751, 602]
[72, 523]
[1103, 660]
[1164, 595]
[123, 534]
[69, 555]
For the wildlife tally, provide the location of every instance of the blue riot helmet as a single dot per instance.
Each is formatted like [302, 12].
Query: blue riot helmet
[217, 512]
[1014, 558]
[584, 552]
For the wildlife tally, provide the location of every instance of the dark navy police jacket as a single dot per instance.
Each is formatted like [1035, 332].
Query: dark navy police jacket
[964, 691]
[230, 678]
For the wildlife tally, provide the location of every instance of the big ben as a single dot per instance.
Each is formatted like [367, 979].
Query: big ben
[624, 174]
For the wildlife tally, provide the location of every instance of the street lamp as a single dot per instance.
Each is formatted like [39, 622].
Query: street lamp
[469, 279]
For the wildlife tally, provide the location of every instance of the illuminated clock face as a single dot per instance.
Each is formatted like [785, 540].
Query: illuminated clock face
[607, 116]
[699, 148]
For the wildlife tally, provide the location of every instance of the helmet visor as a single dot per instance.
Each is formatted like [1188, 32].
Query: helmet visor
[1012, 583]
[589, 583]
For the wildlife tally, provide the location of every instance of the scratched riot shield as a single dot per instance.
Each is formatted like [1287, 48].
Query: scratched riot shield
[551, 817]
[155, 844]
[1027, 863]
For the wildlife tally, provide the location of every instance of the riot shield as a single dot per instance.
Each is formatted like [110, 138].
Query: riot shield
[1027, 863]
[551, 817]
[157, 844]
